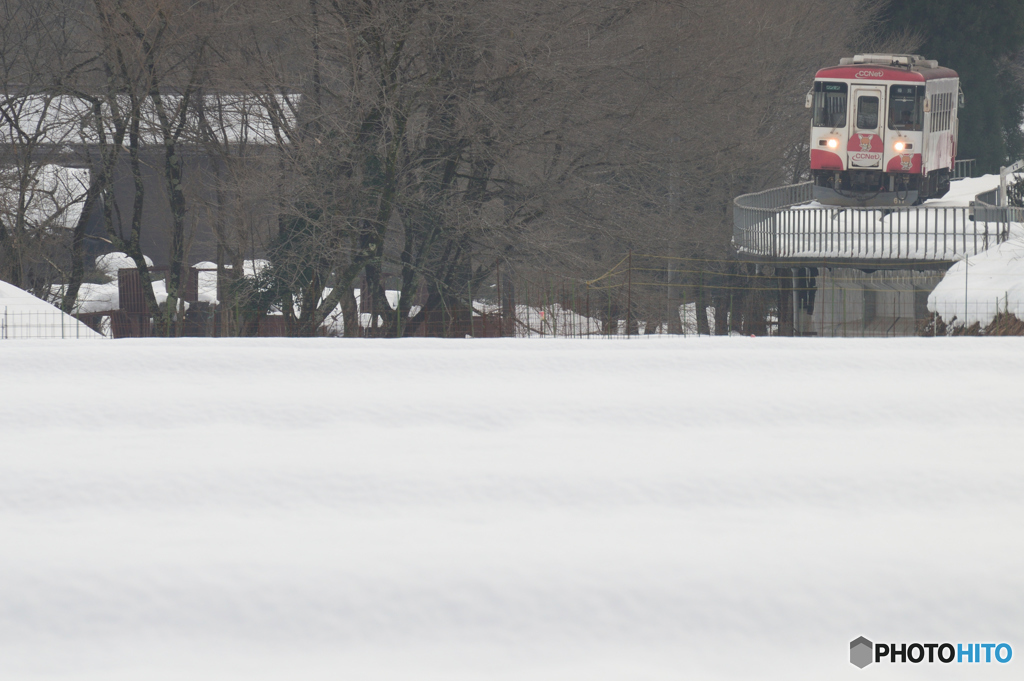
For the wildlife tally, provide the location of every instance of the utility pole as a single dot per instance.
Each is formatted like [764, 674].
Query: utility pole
[629, 294]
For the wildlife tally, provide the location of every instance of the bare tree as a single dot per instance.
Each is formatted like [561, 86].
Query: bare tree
[39, 132]
[414, 145]
[153, 53]
[666, 112]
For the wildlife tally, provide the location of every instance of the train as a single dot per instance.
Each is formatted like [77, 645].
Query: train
[883, 130]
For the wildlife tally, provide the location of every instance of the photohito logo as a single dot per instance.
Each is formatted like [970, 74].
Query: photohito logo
[863, 652]
[860, 652]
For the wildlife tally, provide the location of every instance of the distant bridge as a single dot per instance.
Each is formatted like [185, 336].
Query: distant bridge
[780, 227]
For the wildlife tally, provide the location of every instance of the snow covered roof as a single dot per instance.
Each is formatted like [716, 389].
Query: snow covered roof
[56, 193]
[54, 196]
[65, 120]
[22, 315]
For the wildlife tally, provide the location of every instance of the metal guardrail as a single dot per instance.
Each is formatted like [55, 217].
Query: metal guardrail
[986, 207]
[777, 197]
[773, 224]
[989, 198]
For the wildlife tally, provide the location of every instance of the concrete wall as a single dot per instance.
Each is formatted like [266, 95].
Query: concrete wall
[850, 302]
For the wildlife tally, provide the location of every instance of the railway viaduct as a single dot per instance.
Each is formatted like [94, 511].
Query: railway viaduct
[853, 271]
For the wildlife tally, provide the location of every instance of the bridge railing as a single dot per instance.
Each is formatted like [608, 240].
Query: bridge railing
[964, 168]
[777, 197]
[989, 198]
[986, 207]
[774, 224]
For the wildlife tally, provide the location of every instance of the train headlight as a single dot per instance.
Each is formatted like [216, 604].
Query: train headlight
[899, 146]
[833, 143]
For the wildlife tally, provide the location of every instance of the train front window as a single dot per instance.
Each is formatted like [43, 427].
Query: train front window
[905, 109]
[829, 105]
[867, 113]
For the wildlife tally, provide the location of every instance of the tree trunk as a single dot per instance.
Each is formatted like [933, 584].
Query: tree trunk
[784, 283]
[703, 326]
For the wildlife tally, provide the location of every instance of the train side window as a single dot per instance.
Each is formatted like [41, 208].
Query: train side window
[905, 108]
[942, 112]
[867, 113]
[829, 105]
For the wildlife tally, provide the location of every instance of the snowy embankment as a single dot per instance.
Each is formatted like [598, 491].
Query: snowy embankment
[986, 283]
[22, 315]
[978, 288]
[718, 508]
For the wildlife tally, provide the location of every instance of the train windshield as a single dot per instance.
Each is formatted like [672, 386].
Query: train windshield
[829, 105]
[905, 107]
[867, 113]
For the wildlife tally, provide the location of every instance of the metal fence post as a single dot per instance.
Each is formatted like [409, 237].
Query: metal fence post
[629, 293]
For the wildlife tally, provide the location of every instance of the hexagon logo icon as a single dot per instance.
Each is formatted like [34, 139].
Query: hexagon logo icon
[861, 652]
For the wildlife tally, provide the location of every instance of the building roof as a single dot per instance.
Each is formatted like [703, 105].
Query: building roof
[64, 120]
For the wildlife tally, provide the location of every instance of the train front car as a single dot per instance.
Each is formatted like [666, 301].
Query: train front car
[883, 130]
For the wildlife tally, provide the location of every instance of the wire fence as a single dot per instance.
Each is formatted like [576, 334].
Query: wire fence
[640, 295]
[18, 322]
[645, 295]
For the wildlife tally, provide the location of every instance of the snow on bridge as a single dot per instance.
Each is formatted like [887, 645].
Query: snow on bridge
[785, 224]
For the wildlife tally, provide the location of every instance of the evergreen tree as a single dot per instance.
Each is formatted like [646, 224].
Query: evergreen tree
[977, 39]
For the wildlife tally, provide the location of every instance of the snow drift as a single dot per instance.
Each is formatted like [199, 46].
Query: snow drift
[978, 288]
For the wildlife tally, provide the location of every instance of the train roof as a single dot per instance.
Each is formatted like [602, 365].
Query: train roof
[901, 67]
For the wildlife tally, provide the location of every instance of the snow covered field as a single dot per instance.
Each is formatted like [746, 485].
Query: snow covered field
[715, 508]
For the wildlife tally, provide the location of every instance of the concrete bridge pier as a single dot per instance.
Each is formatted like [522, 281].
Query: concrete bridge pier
[850, 302]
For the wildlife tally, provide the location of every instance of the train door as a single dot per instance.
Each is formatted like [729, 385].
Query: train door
[866, 144]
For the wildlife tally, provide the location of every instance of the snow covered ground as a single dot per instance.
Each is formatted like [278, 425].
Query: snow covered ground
[22, 315]
[715, 508]
[976, 289]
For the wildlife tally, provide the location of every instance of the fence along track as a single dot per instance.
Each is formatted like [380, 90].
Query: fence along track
[777, 223]
[639, 295]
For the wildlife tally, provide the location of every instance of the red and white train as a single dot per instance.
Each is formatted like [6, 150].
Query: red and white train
[883, 130]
